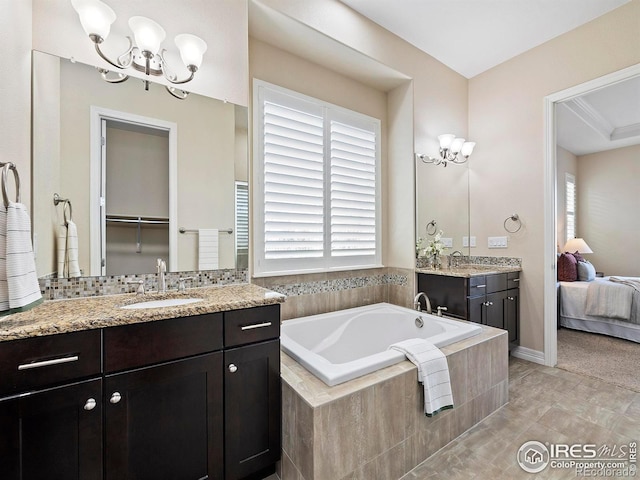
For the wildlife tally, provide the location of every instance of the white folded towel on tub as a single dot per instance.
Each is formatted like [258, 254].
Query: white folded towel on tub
[433, 373]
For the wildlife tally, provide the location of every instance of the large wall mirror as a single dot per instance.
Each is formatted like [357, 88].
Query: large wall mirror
[147, 175]
[442, 203]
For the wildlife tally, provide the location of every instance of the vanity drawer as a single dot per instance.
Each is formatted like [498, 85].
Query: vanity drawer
[496, 282]
[141, 344]
[477, 285]
[513, 280]
[37, 362]
[251, 325]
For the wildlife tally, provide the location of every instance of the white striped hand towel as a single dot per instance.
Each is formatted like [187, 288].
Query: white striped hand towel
[24, 290]
[61, 249]
[72, 267]
[208, 249]
[4, 287]
[433, 373]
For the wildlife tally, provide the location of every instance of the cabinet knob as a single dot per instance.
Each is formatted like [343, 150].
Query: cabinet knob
[488, 304]
[115, 397]
[510, 298]
[233, 368]
[90, 405]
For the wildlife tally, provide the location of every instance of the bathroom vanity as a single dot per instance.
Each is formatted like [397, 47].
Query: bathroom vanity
[489, 295]
[189, 392]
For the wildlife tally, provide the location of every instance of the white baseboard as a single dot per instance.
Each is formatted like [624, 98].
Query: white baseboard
[525, 353]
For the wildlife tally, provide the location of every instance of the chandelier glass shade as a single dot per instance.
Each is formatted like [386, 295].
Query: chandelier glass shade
[145, 52]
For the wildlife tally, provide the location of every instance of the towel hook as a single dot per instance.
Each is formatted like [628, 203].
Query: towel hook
[516, 219]
[5, 167]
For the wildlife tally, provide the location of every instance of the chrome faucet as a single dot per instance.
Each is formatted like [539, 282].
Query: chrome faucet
[162, 269]
[452, 255]
[416, 302]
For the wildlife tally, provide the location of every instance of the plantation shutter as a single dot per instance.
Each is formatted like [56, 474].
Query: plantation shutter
[570, 193]
[242, 216]
[316, 185]
[353, 190]
[293, 183]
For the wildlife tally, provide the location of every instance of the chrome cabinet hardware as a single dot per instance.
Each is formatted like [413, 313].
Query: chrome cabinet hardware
[115, 397]
[46, 363]
[90, 405]
[511, 298]
[488, 304]
[256, 325]
[515, 280]
[233, 368]
[479, 286]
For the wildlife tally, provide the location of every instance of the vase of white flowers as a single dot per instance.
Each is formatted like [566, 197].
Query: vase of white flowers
[434, 249]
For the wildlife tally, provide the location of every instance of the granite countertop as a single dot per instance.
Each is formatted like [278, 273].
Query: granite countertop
[470, 270]
[63, 316]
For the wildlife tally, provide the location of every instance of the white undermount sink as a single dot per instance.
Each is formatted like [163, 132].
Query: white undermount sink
[168, 302]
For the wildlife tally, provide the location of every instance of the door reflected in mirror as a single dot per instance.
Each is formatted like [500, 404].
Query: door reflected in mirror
[195, 189]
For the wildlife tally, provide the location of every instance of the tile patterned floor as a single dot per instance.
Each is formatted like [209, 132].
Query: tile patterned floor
[545, 404]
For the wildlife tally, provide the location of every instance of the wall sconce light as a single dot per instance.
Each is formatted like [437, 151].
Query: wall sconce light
[146, 55]
[452, 150]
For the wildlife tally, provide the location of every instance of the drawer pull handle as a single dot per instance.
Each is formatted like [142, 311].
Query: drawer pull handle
[90, 405]
[115, 397]
[46, 363]
[479, 286]
[256, 325]
[233, 368]
[515, 279]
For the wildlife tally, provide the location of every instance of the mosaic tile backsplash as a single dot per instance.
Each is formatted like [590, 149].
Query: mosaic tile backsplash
[64, 288]
[423, 262]
[338, 284]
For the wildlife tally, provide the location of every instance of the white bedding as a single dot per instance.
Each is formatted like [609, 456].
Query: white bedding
[573, 302]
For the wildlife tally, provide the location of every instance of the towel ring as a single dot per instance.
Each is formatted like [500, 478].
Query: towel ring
[433, 224]
[5, 168]
[518, 223]
[57, 199]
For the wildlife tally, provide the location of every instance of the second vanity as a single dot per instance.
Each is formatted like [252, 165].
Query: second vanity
[90, 390]
[488, 295]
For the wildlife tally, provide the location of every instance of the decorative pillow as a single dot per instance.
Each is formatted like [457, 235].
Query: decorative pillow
[567, 268]
[578, 256]
[586, 271]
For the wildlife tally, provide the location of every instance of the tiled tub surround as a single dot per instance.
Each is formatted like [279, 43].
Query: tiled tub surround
[62, 316]
[374, 427]
[327, 292]
[54, 288]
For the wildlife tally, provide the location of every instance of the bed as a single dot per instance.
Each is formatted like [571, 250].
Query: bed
[603, 309]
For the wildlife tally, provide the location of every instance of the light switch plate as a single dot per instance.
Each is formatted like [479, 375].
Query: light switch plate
[465, 241]
[447, 242]
[497, 242]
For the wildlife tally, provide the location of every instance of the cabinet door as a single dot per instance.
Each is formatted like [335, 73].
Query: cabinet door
[476, 307]
[252, 408]
[445, 291]
[494, 309]
[165, 422]
[512, 314]
[54, 434]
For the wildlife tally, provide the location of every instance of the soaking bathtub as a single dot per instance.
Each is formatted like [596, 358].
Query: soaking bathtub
[340, 346]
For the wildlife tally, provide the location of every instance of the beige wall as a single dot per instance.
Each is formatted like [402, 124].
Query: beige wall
[506, 118]
[566, 162]
[15, 95]
[608, 200]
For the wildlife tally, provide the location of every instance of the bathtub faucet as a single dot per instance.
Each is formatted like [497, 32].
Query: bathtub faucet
[416, 302]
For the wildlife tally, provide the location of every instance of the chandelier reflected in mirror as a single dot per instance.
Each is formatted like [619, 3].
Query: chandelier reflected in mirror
[145, 54]
[452, 150]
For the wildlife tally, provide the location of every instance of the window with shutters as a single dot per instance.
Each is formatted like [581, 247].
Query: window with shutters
[570, 199]
[242, 224]
[316, 185]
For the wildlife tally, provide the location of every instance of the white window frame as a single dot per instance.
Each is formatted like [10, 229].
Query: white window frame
[269, 267]
[570, 206]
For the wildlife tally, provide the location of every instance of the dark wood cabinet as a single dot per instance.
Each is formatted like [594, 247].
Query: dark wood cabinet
[165, 421]
[54, 434]
[189, 398]
[491, 299]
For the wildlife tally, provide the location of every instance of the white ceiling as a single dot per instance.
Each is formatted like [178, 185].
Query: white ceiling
[602, 120]
[471, 36]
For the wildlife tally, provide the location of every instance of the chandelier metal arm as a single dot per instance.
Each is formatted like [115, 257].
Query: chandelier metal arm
[179, 94]
[119, 63]
[104, 73]
[170, 76]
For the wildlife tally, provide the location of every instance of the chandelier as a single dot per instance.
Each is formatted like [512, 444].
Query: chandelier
[452, 150]
[146, 54]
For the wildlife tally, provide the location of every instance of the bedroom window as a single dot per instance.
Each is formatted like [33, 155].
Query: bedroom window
[317, 185]
[570, 202]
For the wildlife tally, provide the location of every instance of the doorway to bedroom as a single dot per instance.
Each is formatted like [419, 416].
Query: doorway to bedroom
[593, 146]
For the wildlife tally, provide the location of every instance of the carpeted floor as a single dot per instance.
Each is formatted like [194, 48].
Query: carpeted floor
[610, 359]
